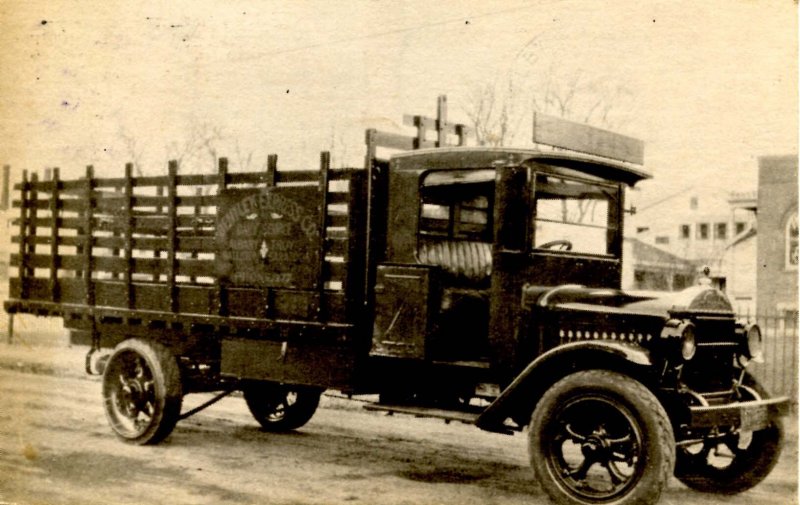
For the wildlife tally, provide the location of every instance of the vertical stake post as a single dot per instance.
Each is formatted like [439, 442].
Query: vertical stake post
[324, 167]
[172, 221]
[222, 186]
[441, 121]
[128, 234]
[55, 259]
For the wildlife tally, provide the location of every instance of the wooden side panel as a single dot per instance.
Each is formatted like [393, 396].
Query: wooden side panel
[318, 365]
[403, 301]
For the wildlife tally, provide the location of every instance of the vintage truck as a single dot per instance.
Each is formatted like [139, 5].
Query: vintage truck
[467, 283]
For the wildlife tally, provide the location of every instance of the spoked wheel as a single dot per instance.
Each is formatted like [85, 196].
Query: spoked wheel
[601, 437]
[142, 391]
[279, 407]
[733, 462]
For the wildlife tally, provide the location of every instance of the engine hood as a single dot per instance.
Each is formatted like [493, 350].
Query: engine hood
[696, 299]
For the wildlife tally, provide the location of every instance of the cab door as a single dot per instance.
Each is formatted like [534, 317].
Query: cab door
[552, 227]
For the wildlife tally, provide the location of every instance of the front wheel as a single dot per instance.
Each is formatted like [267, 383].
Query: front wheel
[279, 407]
[142, 391]
[733, 462]
[601, 437]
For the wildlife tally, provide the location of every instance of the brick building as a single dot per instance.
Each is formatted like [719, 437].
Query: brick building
[777, 235]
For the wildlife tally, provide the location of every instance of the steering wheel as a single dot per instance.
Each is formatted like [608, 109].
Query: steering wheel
[563, 245]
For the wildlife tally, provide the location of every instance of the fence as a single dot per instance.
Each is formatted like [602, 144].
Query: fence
[778, 373]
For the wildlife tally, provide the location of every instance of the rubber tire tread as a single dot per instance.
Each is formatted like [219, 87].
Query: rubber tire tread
[168, 386]
[642, 403]
[257, 398]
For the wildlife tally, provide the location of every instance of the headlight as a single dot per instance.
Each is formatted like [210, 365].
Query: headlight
[754, 346]
[688, 342]
[679, 333]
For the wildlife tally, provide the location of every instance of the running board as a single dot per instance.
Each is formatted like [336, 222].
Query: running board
[447, 415]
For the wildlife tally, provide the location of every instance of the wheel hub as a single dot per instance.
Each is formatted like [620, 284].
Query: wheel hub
[132, 398]
[596, 445]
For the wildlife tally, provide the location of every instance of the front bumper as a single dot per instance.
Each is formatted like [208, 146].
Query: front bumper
[748, 416]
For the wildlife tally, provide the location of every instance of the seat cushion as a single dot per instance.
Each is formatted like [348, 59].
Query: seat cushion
[464, 260]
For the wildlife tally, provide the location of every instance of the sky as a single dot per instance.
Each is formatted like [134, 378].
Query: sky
[710, 85]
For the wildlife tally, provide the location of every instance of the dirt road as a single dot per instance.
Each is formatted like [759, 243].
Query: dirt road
[55, 448]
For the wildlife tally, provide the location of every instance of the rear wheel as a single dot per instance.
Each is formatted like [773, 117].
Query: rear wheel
[601, 437]
[734, 462]
[280, 407]
[142, 391]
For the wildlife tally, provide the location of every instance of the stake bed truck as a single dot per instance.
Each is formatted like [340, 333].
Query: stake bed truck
[466, 283]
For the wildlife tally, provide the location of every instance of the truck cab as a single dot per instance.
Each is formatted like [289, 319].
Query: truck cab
[470, 227]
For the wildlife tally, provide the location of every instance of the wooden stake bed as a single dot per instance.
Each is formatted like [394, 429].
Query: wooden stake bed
[273, 250]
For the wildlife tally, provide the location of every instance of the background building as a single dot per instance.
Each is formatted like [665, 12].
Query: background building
[777, 235]
[694, 228]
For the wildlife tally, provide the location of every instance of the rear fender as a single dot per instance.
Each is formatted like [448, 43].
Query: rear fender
[519, 398]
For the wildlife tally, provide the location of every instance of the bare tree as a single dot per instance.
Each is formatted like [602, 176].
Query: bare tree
[535, 83]
[133, 149]
[199, 144]
[494, 112]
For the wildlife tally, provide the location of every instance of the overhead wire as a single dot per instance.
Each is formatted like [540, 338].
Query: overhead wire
[387, 33]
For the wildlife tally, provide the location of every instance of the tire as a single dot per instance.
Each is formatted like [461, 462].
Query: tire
[745, 460]
[598, 436]
[280, 407]
[142, 391]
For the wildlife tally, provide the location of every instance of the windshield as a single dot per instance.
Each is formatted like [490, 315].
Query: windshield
[573, 215]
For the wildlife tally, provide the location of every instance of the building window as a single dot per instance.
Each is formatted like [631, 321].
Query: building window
[791, 243]
[721, 231]
[662, 240]
[681, 281]
[702, 231]
[693, 203]
[740, 226]
[686, 231]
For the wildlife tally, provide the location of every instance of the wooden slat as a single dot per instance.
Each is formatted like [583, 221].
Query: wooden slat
[337, 246]
[158, 180]
[335, 271]
[400, 142]
[198, 242]
[117, 265]
[341, 174]
[337, 220]
[118, 202]
[338, 198]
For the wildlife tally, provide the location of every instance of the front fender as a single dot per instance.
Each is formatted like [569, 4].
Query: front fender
[551, 366]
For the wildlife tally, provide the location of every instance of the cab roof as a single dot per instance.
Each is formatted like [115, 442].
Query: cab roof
[455, 158]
